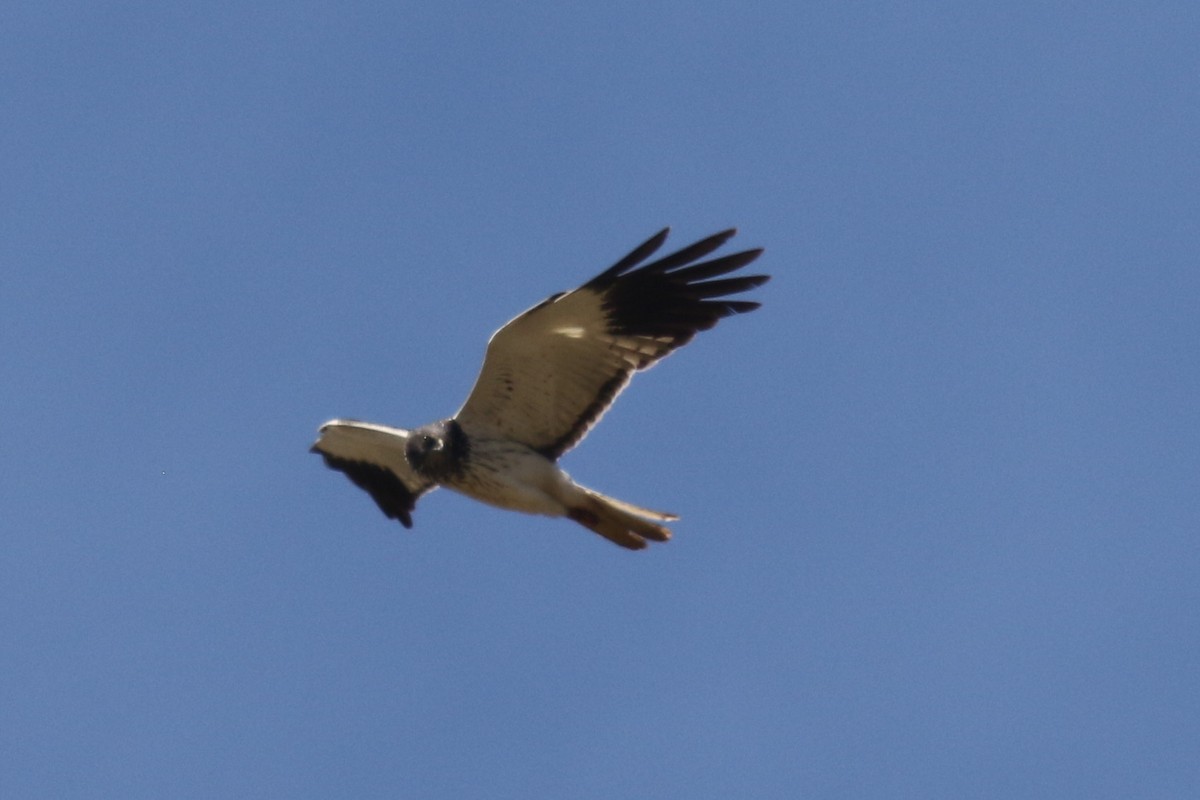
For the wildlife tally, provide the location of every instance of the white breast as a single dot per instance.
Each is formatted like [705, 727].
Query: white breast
[510, 475]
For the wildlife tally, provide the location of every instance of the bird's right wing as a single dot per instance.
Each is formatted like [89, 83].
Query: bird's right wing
[550, 373]
[372, 456]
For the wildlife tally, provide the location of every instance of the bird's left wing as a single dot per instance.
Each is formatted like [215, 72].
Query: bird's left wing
[372, 456]
[552, 372]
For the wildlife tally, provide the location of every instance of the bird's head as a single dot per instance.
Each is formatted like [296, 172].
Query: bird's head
[433, 450]
[423, 445]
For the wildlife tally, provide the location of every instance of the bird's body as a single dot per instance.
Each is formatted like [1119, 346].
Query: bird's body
[502, 473]
[548, 377]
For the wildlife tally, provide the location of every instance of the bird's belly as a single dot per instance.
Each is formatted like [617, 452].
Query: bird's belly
[512, 476]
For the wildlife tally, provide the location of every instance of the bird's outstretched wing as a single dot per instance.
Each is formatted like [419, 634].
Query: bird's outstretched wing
[373, 457]
[552, 372]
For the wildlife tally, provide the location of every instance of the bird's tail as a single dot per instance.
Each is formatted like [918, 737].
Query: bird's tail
[620, 522]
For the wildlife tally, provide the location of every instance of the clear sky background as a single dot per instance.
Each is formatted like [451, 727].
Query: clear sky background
[940, 495]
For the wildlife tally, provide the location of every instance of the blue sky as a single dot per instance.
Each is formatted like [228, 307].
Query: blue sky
[939, 495]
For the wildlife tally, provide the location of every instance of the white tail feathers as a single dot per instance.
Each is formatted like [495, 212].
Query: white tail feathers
[620, 522]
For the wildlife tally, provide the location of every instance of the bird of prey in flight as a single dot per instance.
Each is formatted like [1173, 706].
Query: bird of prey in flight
[548, 377]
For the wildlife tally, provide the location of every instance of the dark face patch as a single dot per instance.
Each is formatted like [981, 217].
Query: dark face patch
[417, 448]
[437, 451]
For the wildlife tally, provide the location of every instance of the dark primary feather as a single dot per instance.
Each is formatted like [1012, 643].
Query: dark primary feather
[647, 248]
[390, 493]
[668, 298]
[636, 256]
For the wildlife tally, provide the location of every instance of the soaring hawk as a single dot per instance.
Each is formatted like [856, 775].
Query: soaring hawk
[548, 377]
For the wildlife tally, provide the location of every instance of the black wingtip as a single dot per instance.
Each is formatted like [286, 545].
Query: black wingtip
[741, 306]
[635, 257]
[672, 298]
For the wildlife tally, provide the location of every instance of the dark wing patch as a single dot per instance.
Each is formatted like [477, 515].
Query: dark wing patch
[390, 493]
[654, 302]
